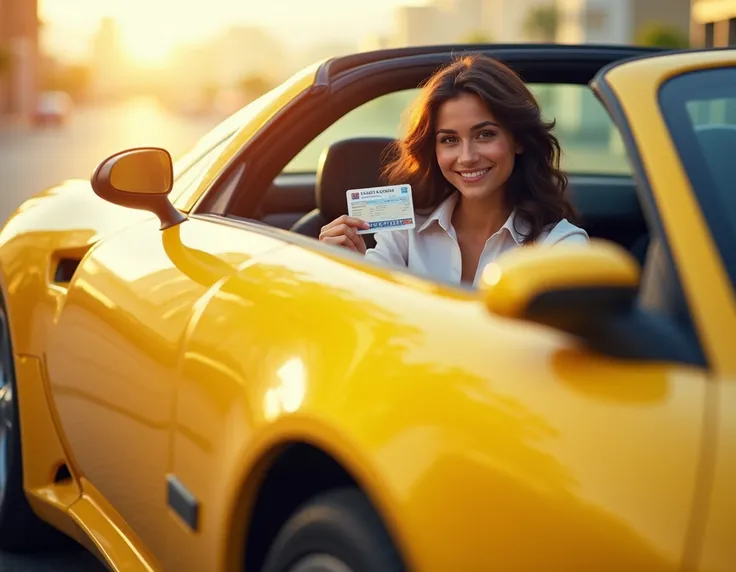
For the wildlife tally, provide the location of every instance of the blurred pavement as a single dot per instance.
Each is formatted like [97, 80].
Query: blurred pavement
[33, 159]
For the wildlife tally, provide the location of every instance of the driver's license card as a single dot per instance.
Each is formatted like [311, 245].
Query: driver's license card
[383, 208]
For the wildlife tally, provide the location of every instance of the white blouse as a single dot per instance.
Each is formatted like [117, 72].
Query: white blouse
[432, 249]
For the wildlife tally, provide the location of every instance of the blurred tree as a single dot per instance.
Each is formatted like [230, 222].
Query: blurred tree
[662, 35]
[5, 60]
[541, 23]
[253, 86]
[477, 37]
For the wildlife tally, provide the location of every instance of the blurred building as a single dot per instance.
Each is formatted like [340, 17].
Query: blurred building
[504, 21]
[417, 25]
[713, 23]
[452, 21]
[617, 21]
[608, 22]
[19, 39]
[109, 74]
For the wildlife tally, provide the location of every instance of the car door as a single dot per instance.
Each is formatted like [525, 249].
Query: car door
[114, 354]
[679, 113]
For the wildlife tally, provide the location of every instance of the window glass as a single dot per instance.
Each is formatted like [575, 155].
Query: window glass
[700, 112]
[590, 142]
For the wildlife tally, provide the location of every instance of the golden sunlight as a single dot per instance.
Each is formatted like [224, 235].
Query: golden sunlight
[146, 43]
[147, 51]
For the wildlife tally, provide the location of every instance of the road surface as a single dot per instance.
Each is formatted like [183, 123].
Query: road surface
[74, 561]
[34, 159]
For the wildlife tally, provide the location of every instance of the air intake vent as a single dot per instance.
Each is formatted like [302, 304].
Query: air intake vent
[65, 269]
[62, 474]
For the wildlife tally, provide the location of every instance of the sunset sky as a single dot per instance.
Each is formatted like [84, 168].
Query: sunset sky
[150, 28]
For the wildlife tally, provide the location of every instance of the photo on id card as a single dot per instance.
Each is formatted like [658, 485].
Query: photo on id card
[383, 208]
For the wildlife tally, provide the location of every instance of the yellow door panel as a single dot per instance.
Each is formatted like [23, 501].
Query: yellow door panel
[718, 552]
[680, 110]
[486, 444]
[113, 356]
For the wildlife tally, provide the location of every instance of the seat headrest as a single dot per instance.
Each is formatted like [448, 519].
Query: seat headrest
[350, 164]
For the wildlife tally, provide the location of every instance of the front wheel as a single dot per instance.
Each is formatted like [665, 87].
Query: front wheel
[338, 531]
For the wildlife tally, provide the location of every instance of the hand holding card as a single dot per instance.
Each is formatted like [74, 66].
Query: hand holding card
[343, 231]
[383, 208]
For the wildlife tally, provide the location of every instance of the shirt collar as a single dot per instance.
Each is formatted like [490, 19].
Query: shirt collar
[442, 215]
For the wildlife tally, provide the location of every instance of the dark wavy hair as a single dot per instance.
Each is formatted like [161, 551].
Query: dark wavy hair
[536, 187]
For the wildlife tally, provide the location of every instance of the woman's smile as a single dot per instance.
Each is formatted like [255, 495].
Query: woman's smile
[474, 176]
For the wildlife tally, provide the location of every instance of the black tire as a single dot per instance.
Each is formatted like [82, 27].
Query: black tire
[338, 531]
[20, 529]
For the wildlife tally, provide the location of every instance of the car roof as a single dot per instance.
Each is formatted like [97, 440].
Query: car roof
[333, 67]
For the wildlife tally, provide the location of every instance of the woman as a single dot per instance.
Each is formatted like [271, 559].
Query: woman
[484, 170]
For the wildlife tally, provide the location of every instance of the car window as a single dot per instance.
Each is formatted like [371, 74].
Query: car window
[714, 121]
[590, 141]
[700, 112]
[193, 166]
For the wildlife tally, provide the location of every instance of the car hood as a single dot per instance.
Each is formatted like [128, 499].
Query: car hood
[70, 212]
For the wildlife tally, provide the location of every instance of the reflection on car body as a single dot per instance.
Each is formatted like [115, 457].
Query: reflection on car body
[224, 395]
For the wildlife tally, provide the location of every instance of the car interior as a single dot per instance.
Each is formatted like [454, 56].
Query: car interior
[346, 164]
[608, 207]
[305, 199]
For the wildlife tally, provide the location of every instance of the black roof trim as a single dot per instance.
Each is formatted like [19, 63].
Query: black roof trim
[338, 65]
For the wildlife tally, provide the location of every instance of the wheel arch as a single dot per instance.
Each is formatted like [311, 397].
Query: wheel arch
[262, 507]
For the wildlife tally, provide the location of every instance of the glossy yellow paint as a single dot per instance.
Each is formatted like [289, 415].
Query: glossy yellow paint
[704, 280]
[126, 322]
[485, 443]
[718, 552]
[445, 433]
[512, 282]
[40, 435]
[111, 537]
[62, 222]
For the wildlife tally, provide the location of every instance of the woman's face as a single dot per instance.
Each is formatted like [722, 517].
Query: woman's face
[475, 154]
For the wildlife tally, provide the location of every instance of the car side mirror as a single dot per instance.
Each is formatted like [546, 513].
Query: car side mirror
[589, 291]
[140, 179]
[572, 288]
[560, 285]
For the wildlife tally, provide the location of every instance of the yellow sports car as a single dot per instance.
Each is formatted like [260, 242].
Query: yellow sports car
[192, 382]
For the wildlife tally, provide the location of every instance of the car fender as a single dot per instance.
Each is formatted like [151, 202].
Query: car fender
[41, 244]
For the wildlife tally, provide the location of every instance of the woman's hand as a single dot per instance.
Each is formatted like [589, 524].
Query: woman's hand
[343, 231]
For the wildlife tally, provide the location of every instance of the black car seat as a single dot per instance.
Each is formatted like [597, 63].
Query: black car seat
[347, 164]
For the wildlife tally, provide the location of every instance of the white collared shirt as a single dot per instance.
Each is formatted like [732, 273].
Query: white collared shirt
[432, 249]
